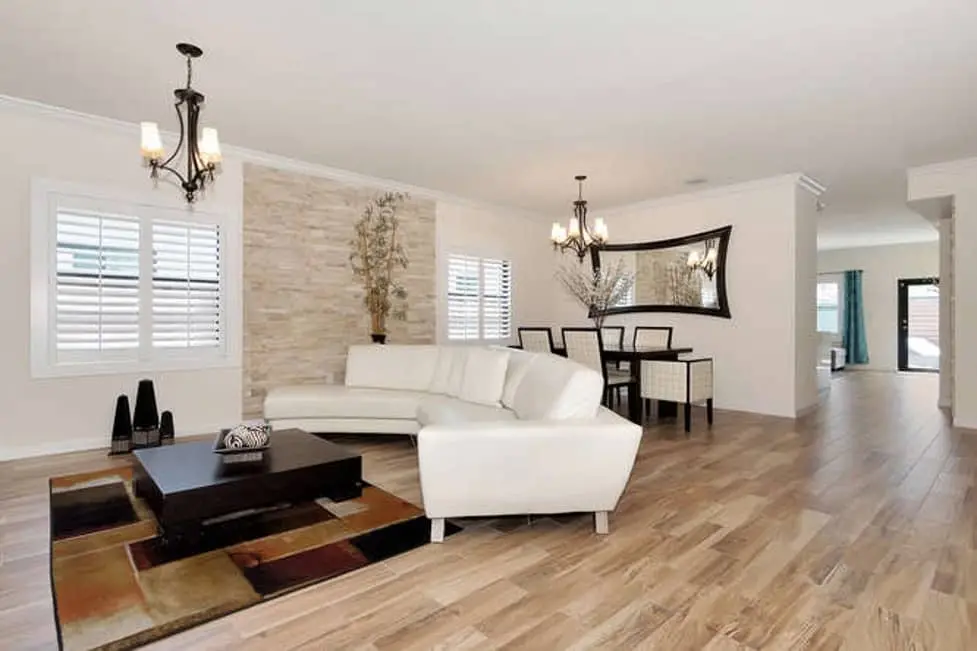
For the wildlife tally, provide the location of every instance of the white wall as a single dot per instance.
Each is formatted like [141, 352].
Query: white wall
[805, 302]
[882, 267]
[947, 311]
[494, 233]
[958, 180]
[53, 415]
[754, 351]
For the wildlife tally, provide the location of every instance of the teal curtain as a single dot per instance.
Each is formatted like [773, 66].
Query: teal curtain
[853, 332]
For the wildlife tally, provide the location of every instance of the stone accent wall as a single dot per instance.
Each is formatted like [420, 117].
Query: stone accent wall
[302, 304]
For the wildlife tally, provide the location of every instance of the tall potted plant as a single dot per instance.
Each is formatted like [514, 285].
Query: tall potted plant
[596, 289]
[376, 256]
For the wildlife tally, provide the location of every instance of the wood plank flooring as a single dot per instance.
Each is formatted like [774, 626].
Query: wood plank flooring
[853, 528]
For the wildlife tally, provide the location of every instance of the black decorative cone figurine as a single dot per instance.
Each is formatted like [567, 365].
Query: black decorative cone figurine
[166, 430]
[122, 427]
[145, 420]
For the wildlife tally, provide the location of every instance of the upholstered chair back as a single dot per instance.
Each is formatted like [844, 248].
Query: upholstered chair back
[653, 336]
[536, 340]
[583, 345]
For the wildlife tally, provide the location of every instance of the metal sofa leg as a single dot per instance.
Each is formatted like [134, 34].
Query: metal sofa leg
[437, 530]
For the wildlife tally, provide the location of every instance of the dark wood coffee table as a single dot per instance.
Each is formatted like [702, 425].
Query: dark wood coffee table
[187, 484]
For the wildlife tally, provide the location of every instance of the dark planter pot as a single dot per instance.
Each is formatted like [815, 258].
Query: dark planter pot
[122, 427]
[145, 417]
[379, 338]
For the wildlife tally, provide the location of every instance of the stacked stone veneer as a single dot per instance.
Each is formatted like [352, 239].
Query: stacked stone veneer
[302, 305]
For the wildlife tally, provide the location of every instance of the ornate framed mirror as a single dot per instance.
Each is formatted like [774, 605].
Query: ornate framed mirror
[683, 274]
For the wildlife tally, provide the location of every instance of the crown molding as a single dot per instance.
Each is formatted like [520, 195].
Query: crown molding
[945, 167]
[32, 108]
[783, 180]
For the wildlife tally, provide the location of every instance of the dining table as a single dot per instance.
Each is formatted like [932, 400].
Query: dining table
[634, 355]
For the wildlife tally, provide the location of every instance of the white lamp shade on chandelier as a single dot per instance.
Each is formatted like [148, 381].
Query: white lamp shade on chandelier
[209, 147]
[152, 146]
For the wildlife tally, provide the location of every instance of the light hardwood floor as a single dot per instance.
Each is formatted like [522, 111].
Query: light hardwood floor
[853, 528]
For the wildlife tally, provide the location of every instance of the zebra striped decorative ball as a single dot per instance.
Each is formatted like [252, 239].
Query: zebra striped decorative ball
[247, 436]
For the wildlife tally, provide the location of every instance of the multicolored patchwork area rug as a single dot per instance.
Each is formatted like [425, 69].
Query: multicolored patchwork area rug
[117, 586]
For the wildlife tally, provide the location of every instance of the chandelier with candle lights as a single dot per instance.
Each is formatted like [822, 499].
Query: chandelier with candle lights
[579, 237]
[704, 262]
[202, 154]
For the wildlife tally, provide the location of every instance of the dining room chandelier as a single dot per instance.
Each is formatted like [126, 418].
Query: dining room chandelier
[578, 236]
[200, 154]
[705, 262]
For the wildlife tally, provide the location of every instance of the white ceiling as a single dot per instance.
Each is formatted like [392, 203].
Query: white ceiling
[505, 100]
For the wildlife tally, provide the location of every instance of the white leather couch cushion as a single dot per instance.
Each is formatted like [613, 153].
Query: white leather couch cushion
[448, 369]
[443, 410]
[484, 376]
[335, 401]
[410, 368]
[519, 362]
[555, 388]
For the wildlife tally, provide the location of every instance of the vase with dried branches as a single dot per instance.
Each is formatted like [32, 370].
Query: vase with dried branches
[596, 289]
[377, 255]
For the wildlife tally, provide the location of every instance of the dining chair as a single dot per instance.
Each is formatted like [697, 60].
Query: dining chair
[586, 346]
[612, 335]
[686, 381]
[536, 340]
[660, 336]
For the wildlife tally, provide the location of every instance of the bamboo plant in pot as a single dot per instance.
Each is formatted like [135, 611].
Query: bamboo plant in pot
[376, 257]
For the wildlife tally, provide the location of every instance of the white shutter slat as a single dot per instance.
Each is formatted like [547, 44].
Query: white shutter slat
[96, 304]
[463, 300]
[186, 303]
[496, 299]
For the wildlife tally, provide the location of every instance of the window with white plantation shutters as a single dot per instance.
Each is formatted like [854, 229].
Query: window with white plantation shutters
[96, 290]
[126, 286]
[479, 298]
[463, 291]
[186, 285]
[496, 299]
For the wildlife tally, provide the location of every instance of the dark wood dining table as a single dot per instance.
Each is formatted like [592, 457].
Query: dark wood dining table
[634, 355]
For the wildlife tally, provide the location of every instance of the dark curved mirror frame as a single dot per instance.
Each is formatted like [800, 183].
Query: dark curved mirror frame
[721, 309]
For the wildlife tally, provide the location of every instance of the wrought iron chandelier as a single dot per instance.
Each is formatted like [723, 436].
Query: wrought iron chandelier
[705, 262]
[202, 155]
[579, 237]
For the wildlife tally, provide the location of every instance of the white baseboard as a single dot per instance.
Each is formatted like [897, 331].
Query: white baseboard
[54, 447]
[12, 453]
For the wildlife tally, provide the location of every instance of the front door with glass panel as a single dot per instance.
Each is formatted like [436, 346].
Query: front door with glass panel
[919, 324]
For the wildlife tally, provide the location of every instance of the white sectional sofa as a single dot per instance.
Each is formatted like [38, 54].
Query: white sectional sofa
[499, 431]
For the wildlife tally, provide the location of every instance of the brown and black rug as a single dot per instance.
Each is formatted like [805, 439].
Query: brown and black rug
[116, 586]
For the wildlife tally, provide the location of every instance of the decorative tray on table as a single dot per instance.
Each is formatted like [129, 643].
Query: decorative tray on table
[245, 443]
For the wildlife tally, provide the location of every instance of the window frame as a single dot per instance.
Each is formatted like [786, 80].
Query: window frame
[47, 197]
[838, 280]
[481, 296]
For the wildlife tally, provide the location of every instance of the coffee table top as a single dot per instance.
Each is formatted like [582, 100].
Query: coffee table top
[190, 466]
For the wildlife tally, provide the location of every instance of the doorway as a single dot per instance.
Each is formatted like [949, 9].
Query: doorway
[919, 324]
